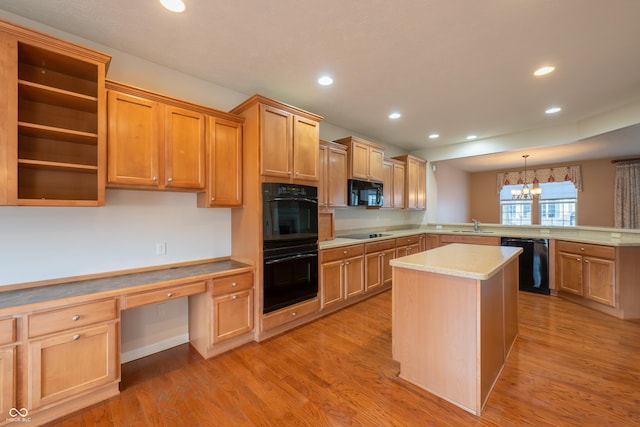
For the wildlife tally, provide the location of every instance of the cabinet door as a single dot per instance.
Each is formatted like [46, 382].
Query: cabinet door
[411, 189]
[599, 280]
[387, 182]
[133, 140]
[337, 178]
[232, 315]
[71, 363]
[570, 276]
[354, 276]
[276, 128]
[421, 196]
[332, 282]
[398, 186]
[224, 173]
[373, 271]
[413, 249]
[306, 140]
[185, 144]
[323, 176]
[376, 160]
[7, 381]
[387, 256]
[359, 161]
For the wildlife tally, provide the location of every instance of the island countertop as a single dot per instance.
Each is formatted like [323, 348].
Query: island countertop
[462, 260]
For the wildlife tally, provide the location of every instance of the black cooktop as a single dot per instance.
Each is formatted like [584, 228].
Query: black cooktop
[365, 236]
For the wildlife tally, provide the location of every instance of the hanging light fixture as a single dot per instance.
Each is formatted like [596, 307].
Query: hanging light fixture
[525, 192]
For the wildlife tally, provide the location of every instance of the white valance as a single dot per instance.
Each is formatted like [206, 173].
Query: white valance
[536, 176]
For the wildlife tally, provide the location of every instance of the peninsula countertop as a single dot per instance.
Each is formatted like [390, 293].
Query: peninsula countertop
[463, 260]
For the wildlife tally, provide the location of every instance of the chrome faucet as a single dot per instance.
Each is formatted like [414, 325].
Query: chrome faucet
[476, 225]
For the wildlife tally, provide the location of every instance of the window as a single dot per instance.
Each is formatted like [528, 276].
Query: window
[514, 212]
[558, 203]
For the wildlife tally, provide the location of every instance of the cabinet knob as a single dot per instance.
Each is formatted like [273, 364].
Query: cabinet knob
[289, 173]
[345, 252]
[76, 337]
[577, 259]
[346, 263]
[170, 180]
[169, 295]
[75, 318]
[582, 249]
[235, 297]
[154, 179]
[213, 198]
[234, 284]
[297, 173]
[586, 261]
[294, 314]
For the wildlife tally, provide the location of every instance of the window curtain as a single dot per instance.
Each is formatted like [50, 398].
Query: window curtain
[563, 173]
[627, 195]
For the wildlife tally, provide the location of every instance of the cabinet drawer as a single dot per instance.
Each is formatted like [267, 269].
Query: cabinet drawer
[598, 251]
[50, 321]
[164, 294]
[7, 331]
[380, 246]
[342, 253]
[408, 240]
[237, 282]
[290, 314]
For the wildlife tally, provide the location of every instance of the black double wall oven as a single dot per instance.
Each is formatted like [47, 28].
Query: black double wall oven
[290, 244]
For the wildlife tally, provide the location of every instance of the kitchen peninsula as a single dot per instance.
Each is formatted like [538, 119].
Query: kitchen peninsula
[455, 319]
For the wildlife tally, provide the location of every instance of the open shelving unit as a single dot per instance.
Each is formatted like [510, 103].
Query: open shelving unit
[58, 129]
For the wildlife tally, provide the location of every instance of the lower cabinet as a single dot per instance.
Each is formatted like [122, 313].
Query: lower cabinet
[377, 267]
[71, 352]
[7, 367]
[408, 245]
[222, 318]
[341, 274]
[587, 270]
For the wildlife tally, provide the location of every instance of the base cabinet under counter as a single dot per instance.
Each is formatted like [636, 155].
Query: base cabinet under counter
[7, 367]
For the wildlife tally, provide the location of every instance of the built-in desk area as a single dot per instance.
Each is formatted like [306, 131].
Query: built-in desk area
[455, 318]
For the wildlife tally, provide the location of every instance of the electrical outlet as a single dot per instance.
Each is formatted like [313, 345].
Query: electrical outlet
[161, 248]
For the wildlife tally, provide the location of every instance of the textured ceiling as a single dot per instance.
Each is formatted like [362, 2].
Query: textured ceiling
[453, 67]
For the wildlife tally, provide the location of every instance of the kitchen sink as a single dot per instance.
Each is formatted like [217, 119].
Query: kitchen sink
[471, 231]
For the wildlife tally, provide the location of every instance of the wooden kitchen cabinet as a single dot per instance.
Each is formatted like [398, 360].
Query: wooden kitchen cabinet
[377, 264]
[415, 187]
[7, 366]
[155, 142]
[393, 183]
[341, 274]
[365, 159]
[288, 138]
[332, 184]
[587, 270]
[223, 317]
[224, 163]
[409, 245]
[52, 150]
[71, 352]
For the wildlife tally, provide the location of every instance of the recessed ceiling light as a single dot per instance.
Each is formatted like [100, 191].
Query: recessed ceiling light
[174, 5]
[434, 136]
[470, 137]
[394, 116]
[325, 80]
[553, 110]
[544, 70]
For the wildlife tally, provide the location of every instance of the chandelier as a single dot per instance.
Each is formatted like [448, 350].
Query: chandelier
[525, 192]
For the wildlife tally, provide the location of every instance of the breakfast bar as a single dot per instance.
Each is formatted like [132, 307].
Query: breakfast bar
[455, 319]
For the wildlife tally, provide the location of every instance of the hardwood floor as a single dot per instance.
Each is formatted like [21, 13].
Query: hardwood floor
[570, 366]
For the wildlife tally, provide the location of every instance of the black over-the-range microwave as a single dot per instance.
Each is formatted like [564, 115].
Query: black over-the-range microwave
[365, 193]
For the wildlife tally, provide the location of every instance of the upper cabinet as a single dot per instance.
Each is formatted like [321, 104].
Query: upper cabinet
[393, 184]
[287, 136]
[155, 142]
[415, 184]
[365, 159]
[332, 186]
[52, 129]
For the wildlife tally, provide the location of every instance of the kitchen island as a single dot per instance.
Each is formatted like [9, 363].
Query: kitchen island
[455, 319]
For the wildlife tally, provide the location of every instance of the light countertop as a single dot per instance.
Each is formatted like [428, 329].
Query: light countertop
[462, 260]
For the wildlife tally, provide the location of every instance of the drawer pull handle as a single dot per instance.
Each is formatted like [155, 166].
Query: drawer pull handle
[169, 295]
[75, 318]
[235, 297]
[234, 284]
[294, 314]
[76, 337]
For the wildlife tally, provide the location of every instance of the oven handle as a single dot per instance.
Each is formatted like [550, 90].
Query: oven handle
[295, 199]
[290, 258]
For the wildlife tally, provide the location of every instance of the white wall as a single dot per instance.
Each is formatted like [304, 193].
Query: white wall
[452, 193]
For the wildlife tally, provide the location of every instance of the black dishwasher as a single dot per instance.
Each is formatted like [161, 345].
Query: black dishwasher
[533, 263]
